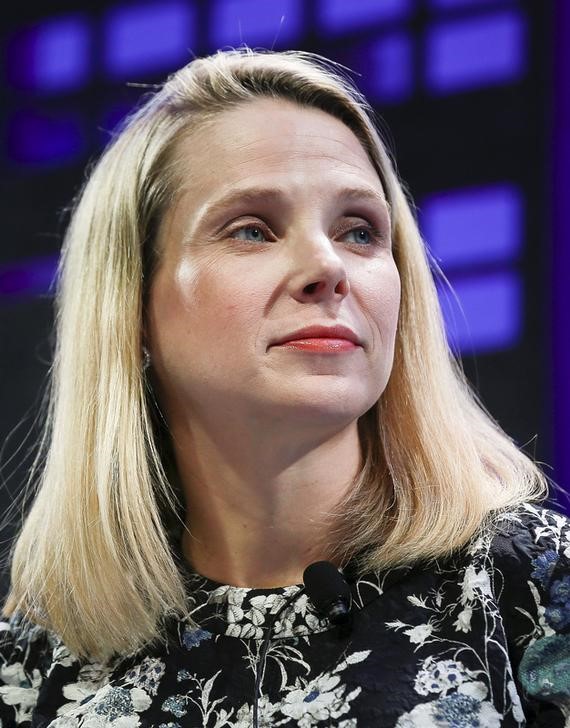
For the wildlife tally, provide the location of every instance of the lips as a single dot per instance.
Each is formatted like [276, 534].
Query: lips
[321, 332]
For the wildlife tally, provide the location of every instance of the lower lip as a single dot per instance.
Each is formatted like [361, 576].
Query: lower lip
[326, 346]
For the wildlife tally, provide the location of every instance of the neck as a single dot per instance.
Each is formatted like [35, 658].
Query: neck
[259, 510]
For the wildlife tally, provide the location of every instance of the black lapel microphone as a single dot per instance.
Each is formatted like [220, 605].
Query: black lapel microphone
[329, 592]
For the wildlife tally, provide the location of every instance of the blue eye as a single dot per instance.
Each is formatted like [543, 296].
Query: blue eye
[360, 236]
[251, 233]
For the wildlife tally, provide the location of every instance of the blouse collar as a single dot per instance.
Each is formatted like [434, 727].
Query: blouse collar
[248, 613]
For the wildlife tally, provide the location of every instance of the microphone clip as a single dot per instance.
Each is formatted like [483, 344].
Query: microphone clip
[330, 594]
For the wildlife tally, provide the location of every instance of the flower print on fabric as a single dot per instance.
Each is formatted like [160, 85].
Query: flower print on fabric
[90, 679]
[199, 694]
[147, 675]
[417, 634]
[457, 665]
[440, 676]
[545, 671]
[245, 611]
[462, 698]
[19, 691]
[545, 667]
[455, 711]
[544, 566]
[266, 715]
[113, 703]
[433, 646]
[62, 657]
[324, 699]
[459, 710]
[193, 636]
[463, 621]
[557, 613]
[316, 701]
[110, 706]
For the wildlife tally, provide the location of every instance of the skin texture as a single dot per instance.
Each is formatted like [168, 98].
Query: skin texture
[280, 223]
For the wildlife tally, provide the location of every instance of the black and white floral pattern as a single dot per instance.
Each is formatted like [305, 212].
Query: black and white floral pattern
[481, 639]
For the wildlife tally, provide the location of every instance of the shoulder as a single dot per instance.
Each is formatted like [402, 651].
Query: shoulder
[532, 535]
[24, 648]
[530, 552]
[530, 547]
[28, 656]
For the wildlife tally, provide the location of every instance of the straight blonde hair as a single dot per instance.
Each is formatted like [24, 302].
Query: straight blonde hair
[94, 560]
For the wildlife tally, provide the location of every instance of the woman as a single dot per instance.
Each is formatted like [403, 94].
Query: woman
[251, 376]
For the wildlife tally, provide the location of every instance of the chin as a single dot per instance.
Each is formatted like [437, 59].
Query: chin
[342, 405]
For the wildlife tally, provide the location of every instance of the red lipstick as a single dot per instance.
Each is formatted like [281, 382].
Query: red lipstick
[322, 339]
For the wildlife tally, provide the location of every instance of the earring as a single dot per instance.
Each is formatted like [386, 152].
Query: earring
[146, 359]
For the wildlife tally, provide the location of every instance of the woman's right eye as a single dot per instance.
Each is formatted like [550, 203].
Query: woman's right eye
[249, 233]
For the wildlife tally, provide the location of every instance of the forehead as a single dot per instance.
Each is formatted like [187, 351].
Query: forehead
[271, 138]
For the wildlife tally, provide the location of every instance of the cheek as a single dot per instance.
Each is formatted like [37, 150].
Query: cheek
[225, 304]
[205, 304]
[383, 294]
[393, 295]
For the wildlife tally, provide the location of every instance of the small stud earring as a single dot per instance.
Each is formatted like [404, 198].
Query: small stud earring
[146, 359]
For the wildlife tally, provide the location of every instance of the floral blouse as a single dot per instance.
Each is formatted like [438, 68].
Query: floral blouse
[480, 639]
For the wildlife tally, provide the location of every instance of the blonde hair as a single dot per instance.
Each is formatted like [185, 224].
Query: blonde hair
[94, 561]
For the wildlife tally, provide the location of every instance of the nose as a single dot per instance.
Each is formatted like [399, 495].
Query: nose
[320, 273]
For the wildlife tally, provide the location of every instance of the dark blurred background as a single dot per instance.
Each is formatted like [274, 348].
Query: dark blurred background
[475, 95]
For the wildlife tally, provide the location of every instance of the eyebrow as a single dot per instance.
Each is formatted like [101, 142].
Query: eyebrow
[268, 194]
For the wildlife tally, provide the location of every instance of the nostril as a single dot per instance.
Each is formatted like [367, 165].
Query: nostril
[310, 288]
[343, 287]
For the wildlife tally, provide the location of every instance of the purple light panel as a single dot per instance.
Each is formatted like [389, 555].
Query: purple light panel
[390, 76]
[340, 16]
[271, 24]
[474, 226]
[488, 316]
[480, 51]
[41, 139]
[29, 277]
[53, 56]
[143, 39]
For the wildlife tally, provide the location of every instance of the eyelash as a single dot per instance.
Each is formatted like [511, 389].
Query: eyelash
[376, 236]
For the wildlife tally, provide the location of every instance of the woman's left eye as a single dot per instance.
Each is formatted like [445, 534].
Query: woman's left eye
[360, 236]
[251, 233]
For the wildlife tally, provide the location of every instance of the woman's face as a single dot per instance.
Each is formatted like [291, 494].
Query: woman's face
[281, 223]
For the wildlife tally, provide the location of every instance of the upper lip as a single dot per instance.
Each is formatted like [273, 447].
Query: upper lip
[321, 332]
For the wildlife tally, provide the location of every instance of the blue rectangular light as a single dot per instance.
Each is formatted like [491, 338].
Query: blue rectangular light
[473, 226]
[31, 277]
[148, 38]
[52, 56]
[475, 52]
[489, 314]
[272, 24]
[43, 139]
[340, 16]
[390, 68]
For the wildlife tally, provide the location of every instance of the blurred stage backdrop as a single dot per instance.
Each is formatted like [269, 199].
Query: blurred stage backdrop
[476, 97]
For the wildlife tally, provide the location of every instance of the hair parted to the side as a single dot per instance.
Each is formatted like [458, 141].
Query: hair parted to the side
[94, 562]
